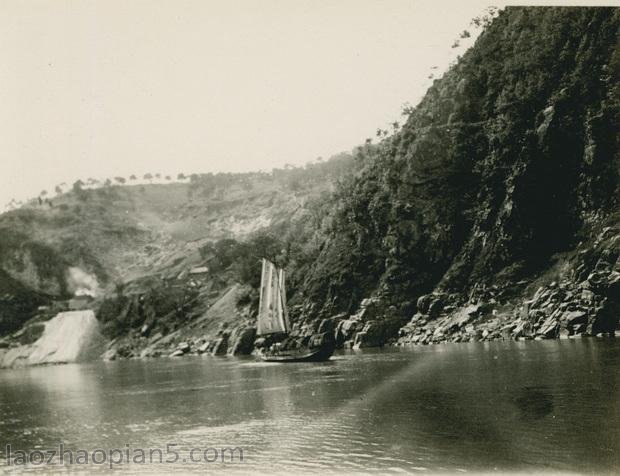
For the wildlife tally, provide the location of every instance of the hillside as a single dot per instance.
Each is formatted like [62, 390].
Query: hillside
[96, 241]
[492, 213]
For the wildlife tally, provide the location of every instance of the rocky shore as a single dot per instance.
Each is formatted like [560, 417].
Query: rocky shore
[578, 296]
[583, 299]
[237, 341]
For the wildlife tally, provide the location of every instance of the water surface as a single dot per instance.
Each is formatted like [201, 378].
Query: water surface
[501, 406]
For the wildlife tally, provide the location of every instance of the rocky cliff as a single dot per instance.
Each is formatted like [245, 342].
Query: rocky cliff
[493, 212]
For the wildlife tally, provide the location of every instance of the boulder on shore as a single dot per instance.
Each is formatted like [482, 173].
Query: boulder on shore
[423, 303]
[549, 329]
[370, 336]
[606, 317]
[221, 346]
[242, 341]
[183, 347]
[345, 331]
[326, 325]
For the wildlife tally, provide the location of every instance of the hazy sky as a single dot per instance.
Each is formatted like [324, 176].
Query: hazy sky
[105, 88]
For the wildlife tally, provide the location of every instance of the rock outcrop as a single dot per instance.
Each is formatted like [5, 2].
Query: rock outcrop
[582, 298]
[242, 341]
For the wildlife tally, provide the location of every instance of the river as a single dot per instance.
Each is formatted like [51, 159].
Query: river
[550, 406]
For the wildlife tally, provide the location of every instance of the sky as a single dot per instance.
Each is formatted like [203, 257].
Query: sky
[105, 88]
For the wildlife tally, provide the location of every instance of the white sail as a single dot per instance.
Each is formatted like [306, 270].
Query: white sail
[272, 313]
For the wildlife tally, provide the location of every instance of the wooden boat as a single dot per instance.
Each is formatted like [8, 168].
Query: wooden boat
[300, 355]
[273, 321]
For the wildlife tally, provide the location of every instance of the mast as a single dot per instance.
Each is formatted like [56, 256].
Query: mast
[285, 322]
[261, 296]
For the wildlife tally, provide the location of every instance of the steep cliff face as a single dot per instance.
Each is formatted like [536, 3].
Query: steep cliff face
[31, 274]
[550, 124]
[511, 158]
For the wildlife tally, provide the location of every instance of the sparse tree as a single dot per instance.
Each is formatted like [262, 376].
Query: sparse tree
[181, 176]
[132, 177]
[77, 186]
[148, 177]
[58, 189]
[157, 175]
[486, 19]
[107, 182]
[168, 177]
[43, 193]
[407, 109]
[120, 180]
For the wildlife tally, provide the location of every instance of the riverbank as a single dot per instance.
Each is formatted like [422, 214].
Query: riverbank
[578, 295]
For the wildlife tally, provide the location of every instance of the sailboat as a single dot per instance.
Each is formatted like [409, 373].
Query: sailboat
[273, 321]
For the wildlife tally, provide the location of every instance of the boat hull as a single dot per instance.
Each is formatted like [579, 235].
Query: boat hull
[321, 354]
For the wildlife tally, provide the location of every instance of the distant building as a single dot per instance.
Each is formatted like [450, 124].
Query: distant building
[199, 271]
